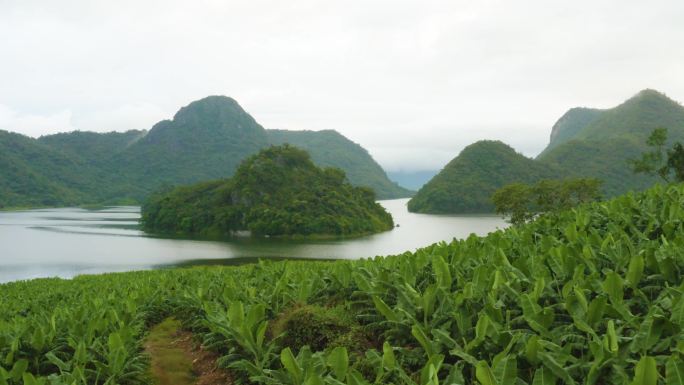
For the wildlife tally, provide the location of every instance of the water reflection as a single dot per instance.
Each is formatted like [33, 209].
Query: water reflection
[71, 241]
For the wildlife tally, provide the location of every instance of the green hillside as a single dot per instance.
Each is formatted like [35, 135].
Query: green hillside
[584, 142]
[277, 192]
[205, 140]
[92, 146]
[28, 174]
[466, 184]
[329, 148]
[636, 118]
[602, 147]
[570, 124]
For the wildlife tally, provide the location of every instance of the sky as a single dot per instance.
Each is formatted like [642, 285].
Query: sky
[412, 81]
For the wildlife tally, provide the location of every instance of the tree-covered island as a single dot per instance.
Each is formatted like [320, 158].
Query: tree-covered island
[276, 192]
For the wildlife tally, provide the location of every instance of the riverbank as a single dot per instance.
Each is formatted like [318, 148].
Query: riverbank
[67, 242]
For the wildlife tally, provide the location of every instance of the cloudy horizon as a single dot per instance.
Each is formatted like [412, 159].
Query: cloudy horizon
[412, 82]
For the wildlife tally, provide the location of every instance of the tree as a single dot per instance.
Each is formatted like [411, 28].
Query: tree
[675, 161]
[521, 202]
[658, 161]
[514, 201]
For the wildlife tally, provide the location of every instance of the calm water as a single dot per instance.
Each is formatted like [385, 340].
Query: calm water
[72, 241]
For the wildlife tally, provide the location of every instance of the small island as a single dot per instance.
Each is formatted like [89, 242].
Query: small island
[277, 192]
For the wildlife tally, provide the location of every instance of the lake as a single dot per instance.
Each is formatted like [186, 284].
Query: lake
[66, 242]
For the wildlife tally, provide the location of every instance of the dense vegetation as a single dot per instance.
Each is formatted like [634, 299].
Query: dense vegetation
[277, 192]
[205, 140]
[467, 183]
[602, 148]
[593, 295]
[585, 143]
[571, 123]
[28, 169]
[521, 202]
[91, 146]
[668, 164]
[329, 148]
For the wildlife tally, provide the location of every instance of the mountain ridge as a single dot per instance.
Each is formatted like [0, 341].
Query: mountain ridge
[205, 140]
[463, 177]
[584, 142]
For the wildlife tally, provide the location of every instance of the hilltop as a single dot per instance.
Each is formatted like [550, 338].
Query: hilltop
[277, 192]
[584, 142]
[467, 182]
[601, 147]
[205, 140]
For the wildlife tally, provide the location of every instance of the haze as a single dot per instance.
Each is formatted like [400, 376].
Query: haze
[412, 81]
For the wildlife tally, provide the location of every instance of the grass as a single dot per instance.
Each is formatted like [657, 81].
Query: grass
[170, 364]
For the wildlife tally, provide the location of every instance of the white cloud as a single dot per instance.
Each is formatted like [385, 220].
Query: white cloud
[35, 125]
[121, 118]
[406, 79]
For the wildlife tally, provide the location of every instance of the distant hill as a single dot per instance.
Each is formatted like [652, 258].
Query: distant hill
[567, 127]
[412, 180]
[92, 146]
[277, 192]
[466, 184]
[329, 148]
[602, 146]
[584, 142]
[636, 118]
[205, 140]
[28, 174]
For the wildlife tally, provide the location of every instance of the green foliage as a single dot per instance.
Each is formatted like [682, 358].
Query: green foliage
[206, 140]
[585, 143]
[521, 202]
[329, 148]
[277, 192]
[603, 146]
[570, 124]
[318, 327]
[592, 295]
[653, 162]
[515, 201]
[659, 161]
[675, 161]
[467, 183]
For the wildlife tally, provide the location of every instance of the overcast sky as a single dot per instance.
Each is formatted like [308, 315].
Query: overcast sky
[412, 81]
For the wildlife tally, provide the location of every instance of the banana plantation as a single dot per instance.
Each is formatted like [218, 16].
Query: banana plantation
[592, 295]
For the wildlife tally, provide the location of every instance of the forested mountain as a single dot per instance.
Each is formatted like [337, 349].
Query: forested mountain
[205, 140]
[28, 169]
[277, 192]
[570, 124]
[602, 146]
[636, 118]
[584, 142]
[467, 183]
[92, 146]
[329, 148]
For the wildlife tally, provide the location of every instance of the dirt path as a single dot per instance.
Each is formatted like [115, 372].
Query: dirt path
[177, 360]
